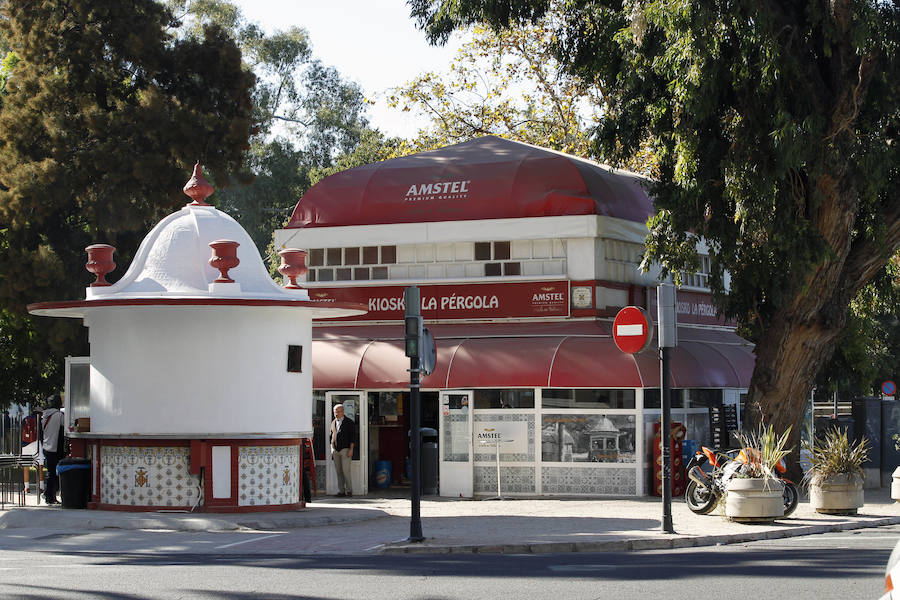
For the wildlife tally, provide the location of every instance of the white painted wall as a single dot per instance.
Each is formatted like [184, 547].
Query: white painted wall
[580, 258]
[199, 370]
[528, 228]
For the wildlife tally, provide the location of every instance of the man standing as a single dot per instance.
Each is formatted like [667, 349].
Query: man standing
[54, 442]
[343, 439]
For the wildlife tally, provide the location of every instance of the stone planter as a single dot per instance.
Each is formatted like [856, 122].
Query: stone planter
[754, 500]
[837, 495]
[895, 485]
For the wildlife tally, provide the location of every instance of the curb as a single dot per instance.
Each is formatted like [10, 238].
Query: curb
[16, 518]
[632, 545]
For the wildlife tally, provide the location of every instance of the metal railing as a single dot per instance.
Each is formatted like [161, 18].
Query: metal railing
[12, 461]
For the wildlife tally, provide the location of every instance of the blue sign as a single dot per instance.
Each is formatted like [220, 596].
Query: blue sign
[888, 388]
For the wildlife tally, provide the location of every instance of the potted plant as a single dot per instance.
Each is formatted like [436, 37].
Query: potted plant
[835, 478]
[755, 492]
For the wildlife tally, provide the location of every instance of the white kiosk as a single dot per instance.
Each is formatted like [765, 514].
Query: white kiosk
[200, 374]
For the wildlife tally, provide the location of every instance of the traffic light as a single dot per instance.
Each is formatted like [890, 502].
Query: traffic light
[413, 336]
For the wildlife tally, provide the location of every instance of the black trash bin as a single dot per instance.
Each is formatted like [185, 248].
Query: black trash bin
[429, 461]
[428, 483]
[74, 482]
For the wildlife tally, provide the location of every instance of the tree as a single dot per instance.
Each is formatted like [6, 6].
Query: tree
[305, 116]
[103, 114]
[505, 83]
[775, 127]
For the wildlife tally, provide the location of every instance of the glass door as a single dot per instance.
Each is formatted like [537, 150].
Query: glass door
[456, 454]
[355, 407]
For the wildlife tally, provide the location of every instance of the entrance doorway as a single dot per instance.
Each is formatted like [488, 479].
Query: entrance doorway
[456, 453]
[356, 408]
[389, 425]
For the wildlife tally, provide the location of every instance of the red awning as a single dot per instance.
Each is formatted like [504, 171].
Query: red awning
[578, 354]
[484, 178]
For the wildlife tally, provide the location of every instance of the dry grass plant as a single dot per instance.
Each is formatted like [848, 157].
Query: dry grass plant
[835, 454]
[764, 449]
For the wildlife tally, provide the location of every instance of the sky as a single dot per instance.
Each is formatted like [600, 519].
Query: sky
[372, 42]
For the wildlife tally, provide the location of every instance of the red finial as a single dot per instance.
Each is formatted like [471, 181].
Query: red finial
[100, 262]
[293, 265]
[197, 187]
[224, 257]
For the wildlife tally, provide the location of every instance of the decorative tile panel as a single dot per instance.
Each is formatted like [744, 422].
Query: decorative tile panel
[147, 476]
[487, 453]
[593, 481]
[513, 480]
[268, 475]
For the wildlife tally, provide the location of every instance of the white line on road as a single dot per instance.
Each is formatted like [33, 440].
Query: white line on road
[256, 539]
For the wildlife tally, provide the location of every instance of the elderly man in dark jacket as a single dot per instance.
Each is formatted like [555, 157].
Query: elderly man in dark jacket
[343, 440]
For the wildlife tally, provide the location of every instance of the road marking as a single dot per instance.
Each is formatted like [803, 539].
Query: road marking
[256, 539]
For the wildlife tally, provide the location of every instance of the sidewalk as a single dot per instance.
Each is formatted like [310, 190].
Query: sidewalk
[374, 524]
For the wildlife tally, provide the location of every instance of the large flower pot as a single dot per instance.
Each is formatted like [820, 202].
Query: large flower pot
[895, 485]
[837, 495]
[754, 500]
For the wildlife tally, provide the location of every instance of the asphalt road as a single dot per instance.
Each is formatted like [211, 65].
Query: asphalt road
[840, 566]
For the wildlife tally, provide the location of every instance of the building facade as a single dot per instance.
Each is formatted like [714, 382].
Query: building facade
[523, 257]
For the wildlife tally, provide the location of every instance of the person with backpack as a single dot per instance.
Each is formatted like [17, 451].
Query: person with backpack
[54, 440]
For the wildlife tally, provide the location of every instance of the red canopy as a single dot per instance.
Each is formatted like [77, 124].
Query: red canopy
[578, 354]
[485, 178]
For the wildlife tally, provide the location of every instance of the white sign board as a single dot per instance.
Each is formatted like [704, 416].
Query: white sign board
[513, 435]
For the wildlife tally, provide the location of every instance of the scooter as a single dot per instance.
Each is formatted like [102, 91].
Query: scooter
[705, 489]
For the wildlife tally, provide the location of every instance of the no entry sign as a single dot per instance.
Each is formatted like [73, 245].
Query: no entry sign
[632, 330]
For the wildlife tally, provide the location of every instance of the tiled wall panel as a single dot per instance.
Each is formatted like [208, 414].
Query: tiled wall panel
[588, 481]
[268, 475]
[147, 476]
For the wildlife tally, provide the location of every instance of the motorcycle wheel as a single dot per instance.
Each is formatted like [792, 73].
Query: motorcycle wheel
[791, 498]
[699, 499]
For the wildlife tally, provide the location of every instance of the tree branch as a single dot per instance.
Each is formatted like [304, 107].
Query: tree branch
[868, 254]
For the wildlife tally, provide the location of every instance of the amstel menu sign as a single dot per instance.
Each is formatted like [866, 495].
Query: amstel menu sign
[456, 301]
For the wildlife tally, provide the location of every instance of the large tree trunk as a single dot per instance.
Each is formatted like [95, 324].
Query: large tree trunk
[801, 336]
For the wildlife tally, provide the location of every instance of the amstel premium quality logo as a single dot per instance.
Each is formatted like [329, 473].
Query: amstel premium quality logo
[445, 190]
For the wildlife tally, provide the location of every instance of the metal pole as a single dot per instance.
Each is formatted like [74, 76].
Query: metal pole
[666, 440]
[415, 522]
[668, 338]
[413, 309]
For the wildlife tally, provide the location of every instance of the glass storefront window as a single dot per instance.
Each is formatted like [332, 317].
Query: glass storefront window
[652, 398]
[685, 398]
[582, 398]
[513, 398]
[588, 438]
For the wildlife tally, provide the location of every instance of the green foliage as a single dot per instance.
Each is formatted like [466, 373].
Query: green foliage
[103, 115]
[775, 128]
[505, 83]
[868, 349]
[764, 450]
[834, 454]
[305, 116]
[373, 147]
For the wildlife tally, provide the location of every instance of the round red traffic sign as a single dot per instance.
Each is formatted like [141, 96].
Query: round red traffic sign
[888, 388]
[632, 330]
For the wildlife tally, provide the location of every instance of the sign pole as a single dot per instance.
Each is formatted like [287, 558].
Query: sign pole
[413, 310]
[667, 339]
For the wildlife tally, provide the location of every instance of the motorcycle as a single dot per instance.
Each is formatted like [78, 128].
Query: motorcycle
[705, 490]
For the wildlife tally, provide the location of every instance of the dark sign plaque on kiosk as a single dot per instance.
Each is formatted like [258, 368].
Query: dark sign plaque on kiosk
[722, 421]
